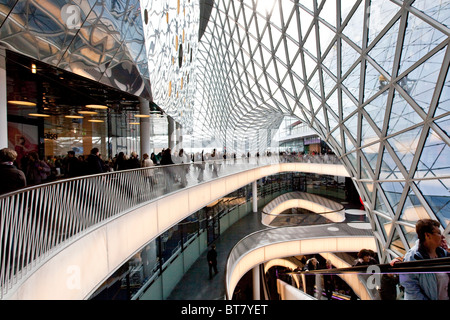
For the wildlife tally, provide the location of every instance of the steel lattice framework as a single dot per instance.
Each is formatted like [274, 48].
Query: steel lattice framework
[369, 76]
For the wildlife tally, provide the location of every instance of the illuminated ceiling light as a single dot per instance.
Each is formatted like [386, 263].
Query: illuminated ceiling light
[33, 68]
[96, 106]
[95, 120]
[87, 112]
[22, 103]
[134, 123]
[74, 117]
[142, 116]
[38, 115]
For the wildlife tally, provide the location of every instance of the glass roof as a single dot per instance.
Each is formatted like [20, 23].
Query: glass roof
[370, 77]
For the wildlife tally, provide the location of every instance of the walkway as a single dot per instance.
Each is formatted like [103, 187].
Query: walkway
[195, 284]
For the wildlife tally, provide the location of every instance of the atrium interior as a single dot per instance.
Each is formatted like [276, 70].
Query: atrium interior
[345, 104]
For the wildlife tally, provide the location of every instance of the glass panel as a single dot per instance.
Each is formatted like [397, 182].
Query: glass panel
[444, 100]
[405, 145]
[328, 12]
[438, 10]
[389, 169]
[347, 105]
[413, 209]
[434, 160]
[329, 83]
[402, 115]
[420, 38]
[381, 12]
[354, 28]
[325, 35]
[352, 125]
[374, 81]
[330, 60]
[421, 82]
[410, 234]
[349, 56]
[376, 109]
[385, 224]
[384, 51]
[371, 154]
[368, 135]
[397, 244]
[349, 146]
[381, 206]
[393, 192]
[436, 193]
[352, 81]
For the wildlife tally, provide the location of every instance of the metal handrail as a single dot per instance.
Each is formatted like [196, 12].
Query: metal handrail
[427, 265]
[40, 220]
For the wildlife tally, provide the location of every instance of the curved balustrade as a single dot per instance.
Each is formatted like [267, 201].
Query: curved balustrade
[42, 220]
[265, 245]
[324, 207]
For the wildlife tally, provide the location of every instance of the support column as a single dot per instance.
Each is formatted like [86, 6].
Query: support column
[144, 109]
[171, 129]
[3, 102]
[179, 136]
[256, 283]
[255, 196]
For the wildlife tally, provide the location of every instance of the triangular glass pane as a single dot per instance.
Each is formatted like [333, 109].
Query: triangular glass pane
[337, 137]
[365, 174]
[330, 61]
[374, 81]
[385, 224]
[438, 10]
[354, 28]
[310, 65]
[380, 205]
[328, 83]
[413, 209]
[393, 192]
[397, 244]
[435, 192]
[444, 124]
[405, 145]
[380, 15]
[349, 146]
[402, 115]
[349, 56]
[333, 103]
[347, 105]
[371, 154]
[332, 120]
[434, 160]
[444, 99]
[352, 125]
[376, 109]
[409, 233]
[420, 38]
[352, 81]
[352, 159]
[325, 36]
[328, 12]
[421, 82]
[310, 43]
[384, 51]
[314, 83]
[305, 22]
[346, 6]
[368, 135]
[389, 169]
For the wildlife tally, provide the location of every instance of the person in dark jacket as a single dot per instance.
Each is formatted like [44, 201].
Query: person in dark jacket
[94, 163]
[13, 178]
[212, 260]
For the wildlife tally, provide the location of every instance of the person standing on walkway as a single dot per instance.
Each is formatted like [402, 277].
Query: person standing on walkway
[13, 178]
[212, 260]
